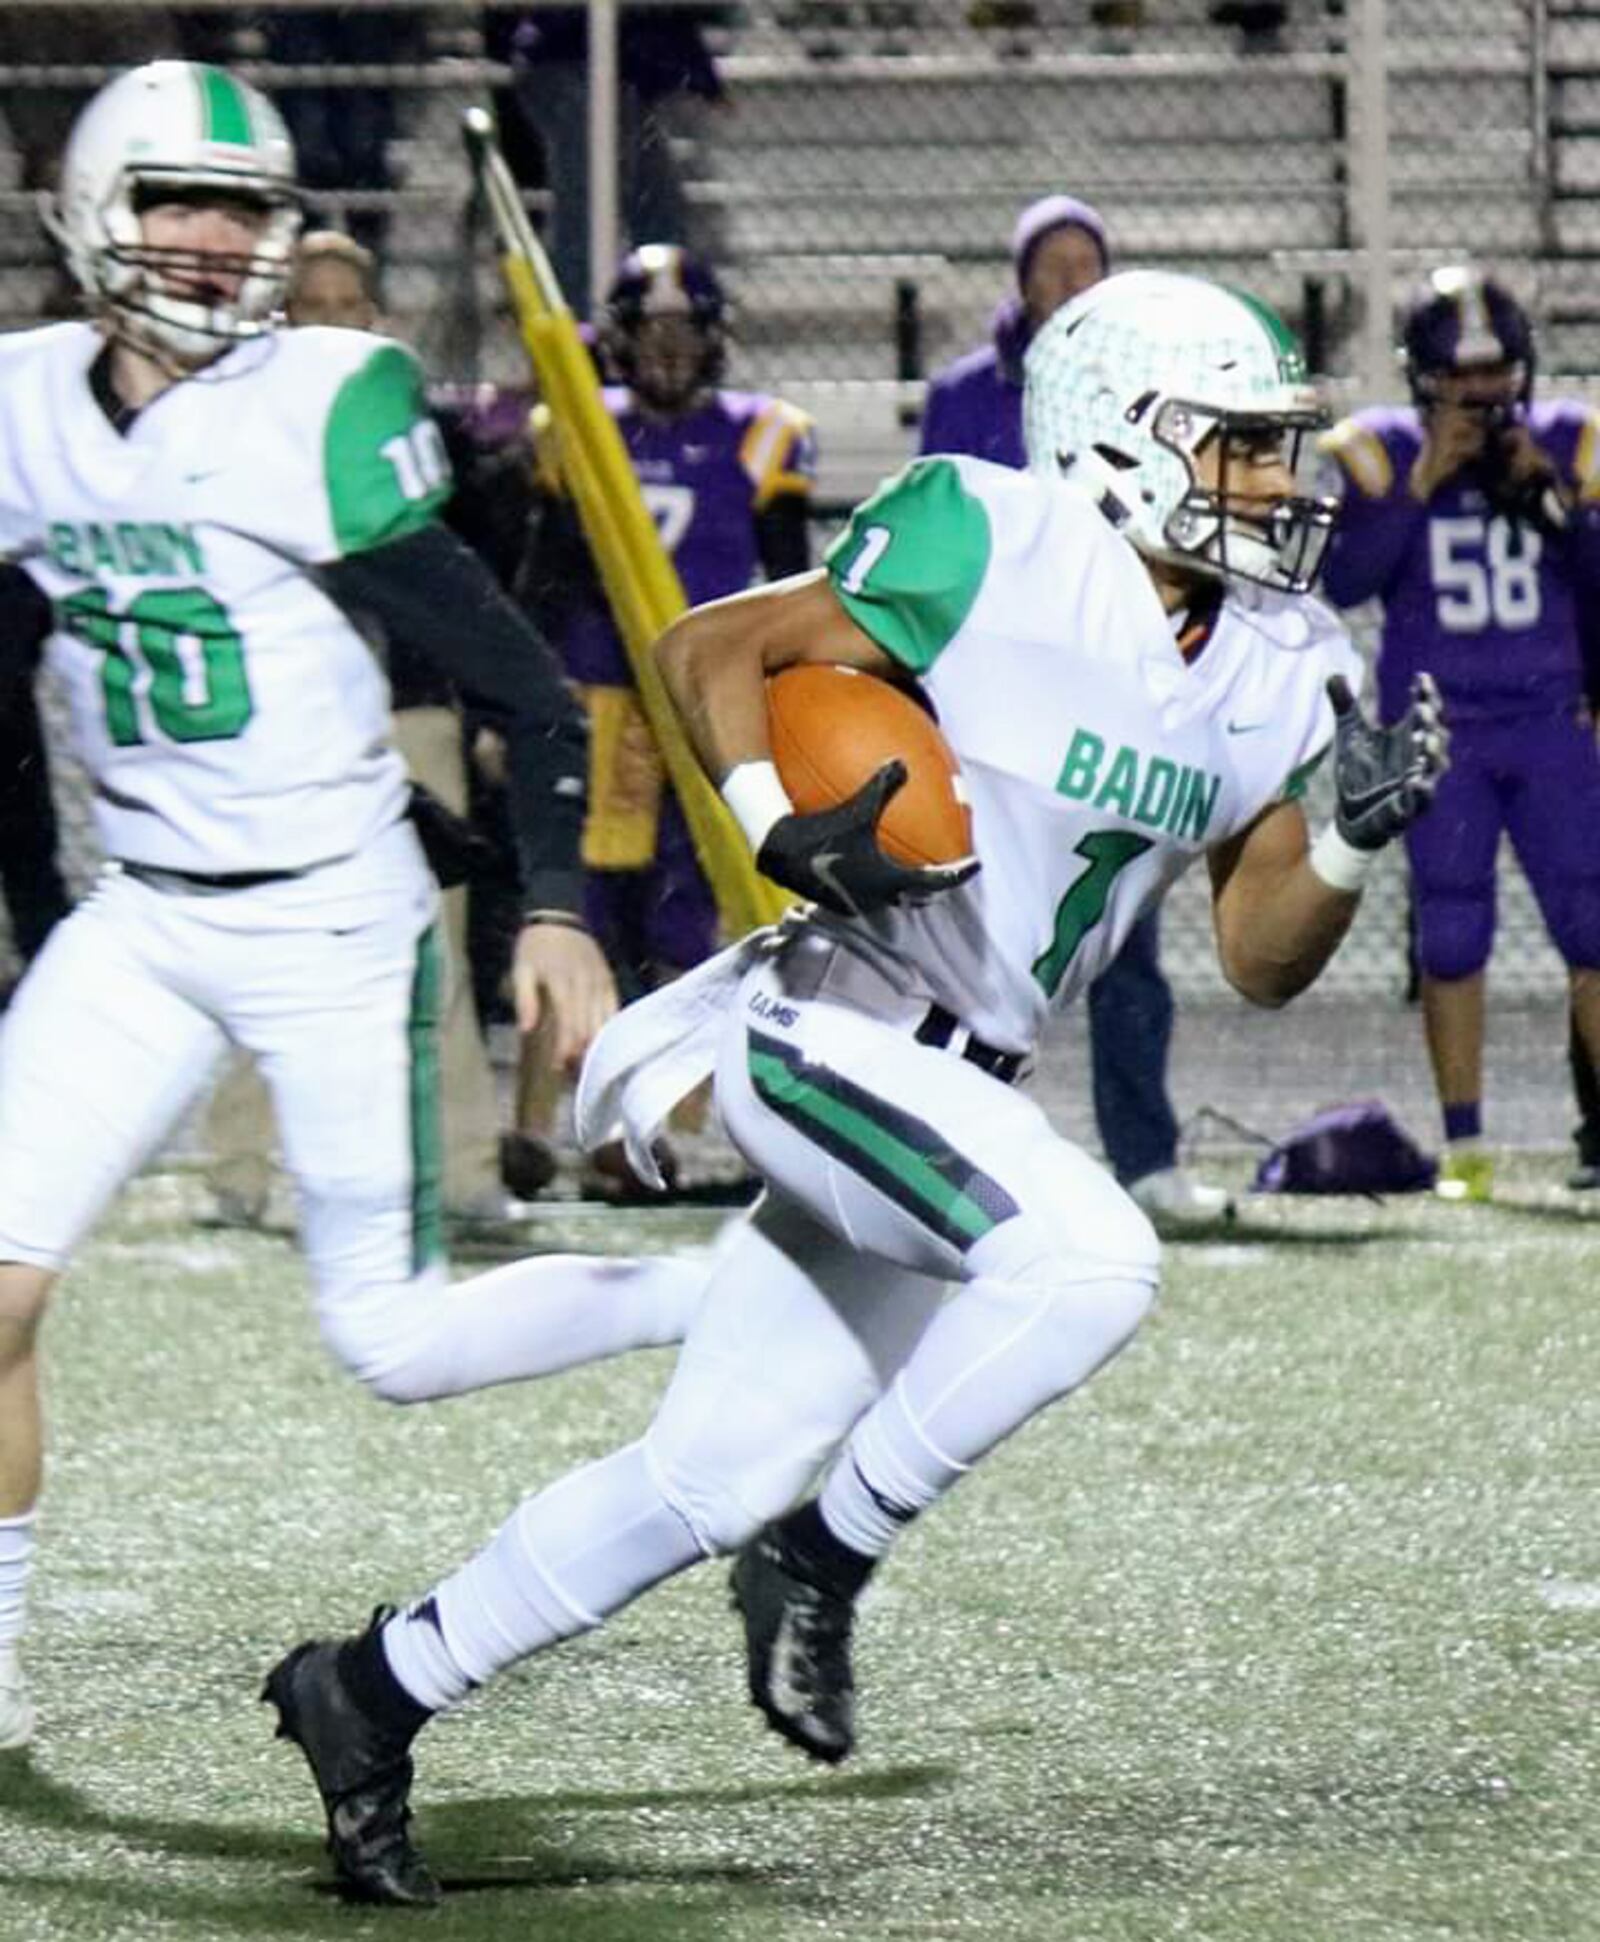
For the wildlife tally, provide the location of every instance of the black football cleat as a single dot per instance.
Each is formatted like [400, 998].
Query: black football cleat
[797, 1648]
[363, 1770]
[527, 1164]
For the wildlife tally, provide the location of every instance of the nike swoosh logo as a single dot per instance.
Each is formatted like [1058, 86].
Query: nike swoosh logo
[1245, 728]
[194, 478]
[822, 869]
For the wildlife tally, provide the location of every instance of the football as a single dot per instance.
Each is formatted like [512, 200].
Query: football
[833, 727]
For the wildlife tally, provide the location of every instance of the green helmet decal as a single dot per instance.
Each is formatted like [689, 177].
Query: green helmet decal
[224, 107]
[1285, 345]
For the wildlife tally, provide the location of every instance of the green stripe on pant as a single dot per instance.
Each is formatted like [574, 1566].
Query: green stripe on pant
[908, 1160]
[427, 1128]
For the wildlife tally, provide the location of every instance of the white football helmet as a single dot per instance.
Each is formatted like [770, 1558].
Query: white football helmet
[157, 133]
[1129, 380]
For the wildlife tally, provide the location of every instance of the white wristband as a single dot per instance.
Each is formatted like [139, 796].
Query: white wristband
[1340, 864]
[758, 799]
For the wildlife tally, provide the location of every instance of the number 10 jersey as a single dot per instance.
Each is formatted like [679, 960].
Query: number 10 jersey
[230, 715]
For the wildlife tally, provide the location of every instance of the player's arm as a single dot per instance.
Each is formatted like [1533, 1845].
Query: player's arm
[895, 589]
[779, 455]
[715, 661]
[1277, 921]
[1580, 552]
[1281, 903]
[783, 535]
[387, 481]
[428, 590]
[25, 622]
[716, 658]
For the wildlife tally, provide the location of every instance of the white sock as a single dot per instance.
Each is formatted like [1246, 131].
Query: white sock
[888, 1473]
[16, 1563]
[561, 1563]
[996, 1352]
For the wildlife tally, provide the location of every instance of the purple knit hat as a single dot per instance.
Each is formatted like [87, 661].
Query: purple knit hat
[1049, 213]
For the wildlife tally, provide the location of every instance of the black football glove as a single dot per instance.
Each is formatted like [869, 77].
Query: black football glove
[1384, 778]
[833, 858]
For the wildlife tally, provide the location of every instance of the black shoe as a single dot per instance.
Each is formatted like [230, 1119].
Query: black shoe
[362, 1770]
[1584, 1177]
[527, 1164]
[797, 1649]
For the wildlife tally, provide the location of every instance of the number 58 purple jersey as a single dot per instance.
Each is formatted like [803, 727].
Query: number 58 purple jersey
[1491, 606]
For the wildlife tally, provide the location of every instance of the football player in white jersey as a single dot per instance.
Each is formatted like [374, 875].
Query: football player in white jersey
[198, 506]
[1120, 648]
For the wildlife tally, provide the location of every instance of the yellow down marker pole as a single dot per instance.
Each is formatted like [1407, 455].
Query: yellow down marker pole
[640, 581]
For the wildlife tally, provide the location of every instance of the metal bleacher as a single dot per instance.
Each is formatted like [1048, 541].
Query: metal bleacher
[839, 185]
[859, 192]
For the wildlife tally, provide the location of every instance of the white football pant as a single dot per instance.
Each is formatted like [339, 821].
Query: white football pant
[895, 1169]
[332, 981]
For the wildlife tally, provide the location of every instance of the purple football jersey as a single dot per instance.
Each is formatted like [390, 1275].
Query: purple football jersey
[704, 478]
[1492, 608]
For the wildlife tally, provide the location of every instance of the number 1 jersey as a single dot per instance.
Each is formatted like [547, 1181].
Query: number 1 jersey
[230, 715]
[1099, 762]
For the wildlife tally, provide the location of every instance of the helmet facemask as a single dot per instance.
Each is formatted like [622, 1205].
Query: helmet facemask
[1227, 531]
[670, 363]
[664, 328]
[143, 286]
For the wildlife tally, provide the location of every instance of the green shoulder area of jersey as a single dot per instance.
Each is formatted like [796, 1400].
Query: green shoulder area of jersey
[383, 456]
[909, 565]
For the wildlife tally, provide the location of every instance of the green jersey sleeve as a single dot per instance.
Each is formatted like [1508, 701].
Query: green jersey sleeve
[909, 565]
[383, 456]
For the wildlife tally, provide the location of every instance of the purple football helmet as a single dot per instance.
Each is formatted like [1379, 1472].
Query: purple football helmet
[664, 326]
[1462, 322]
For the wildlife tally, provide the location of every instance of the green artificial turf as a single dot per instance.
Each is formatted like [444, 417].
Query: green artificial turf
[1288, 1627]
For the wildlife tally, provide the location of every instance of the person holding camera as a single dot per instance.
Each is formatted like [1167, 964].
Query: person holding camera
[1474, 517]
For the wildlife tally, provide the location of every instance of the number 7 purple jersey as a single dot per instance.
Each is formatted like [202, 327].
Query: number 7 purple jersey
[704, 478]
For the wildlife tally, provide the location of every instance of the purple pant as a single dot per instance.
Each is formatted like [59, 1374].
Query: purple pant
[1537, 778]
[652, 923]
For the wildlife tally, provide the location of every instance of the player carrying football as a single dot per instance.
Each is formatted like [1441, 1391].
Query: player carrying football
[1121, 652]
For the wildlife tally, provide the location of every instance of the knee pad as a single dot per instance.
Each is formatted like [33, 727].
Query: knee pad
[1455, 933]
[1079, 1301]
[1098, 1235]
[391, 1336]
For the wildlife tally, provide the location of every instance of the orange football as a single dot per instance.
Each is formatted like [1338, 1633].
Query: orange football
[833, 727]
